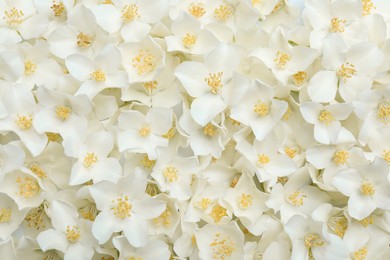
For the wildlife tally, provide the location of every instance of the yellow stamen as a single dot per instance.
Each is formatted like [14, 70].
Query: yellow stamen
[217, 213]
[346, 71]
[367, 188]
[28, 187]
[165, 219]
[383, 112]
[24, 122]
[144, 131]
[367, 7]
[296, 198]
[63, 112]
[245, 201]
[223, 12]
[37, 170]
[58, 8]
[147, 163]
[262, 159]
[281, 59]
[189, 40]
[122, 208]
[325, 117]
[29, 67]
[214, 80]
[84, 40]
[72, 234]
[90, 159]
[340, 157]
[171, 174]
[222, 247]
[361, 254]
[98, 75]
[144, 62]
[299, 78]
[5, 215]
[337, 25]
[209, 130]
[130, 13]
[13, 17]
[260, 108]
[197, 10]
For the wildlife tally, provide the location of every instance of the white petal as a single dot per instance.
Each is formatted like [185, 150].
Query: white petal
[108, 17]
[323, 86]
[206, 107]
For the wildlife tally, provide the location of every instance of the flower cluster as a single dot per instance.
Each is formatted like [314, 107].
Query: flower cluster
[194, 129]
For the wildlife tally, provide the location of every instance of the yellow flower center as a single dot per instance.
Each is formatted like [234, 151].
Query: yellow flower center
[245, 201]
[383, 112]
[197, 10]
[24, 122]
[260, 108]
[367, 221]
[367, 7]
[13, 17]
[346, 71]
[63, 112]
[171, 174]
[29, 67]
[209, 130]
[84, 40]
[290, 152]
[150, 87]
[147, 163]
[189, 40]
[281, 59]
[340, 157]
[367, 188]
[325, 117]
[214, 80]
[72, 234]
[223, 12]
[256, 2]
[218, 212]
[339, 225]
[171, 133]
[313, 240]
[35, 217]
[164, 219]
[98, 75]
[337, 25]
[106, 2]
[296, 198]
[144, 131]
[144, 62]
[299, 78]
[235, 180]
[130, 12]
[222, 247]
[58, 8]
[53, 137]
[5, 215]
[122, 207]
[89, 159]
[38, 171]
[361, 254]
[386, 155]
[203, 203]
[262, 159]
[89, 212]
[28, 187]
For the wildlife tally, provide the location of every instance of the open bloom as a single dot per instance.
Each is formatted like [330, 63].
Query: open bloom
[10, 216]
[154, 249]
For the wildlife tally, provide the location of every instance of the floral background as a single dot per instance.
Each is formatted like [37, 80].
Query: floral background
[194, 129]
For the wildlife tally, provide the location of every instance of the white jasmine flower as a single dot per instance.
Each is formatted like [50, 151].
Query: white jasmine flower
[154, 249]
[167, 222]
[10, 216]
[11, 158]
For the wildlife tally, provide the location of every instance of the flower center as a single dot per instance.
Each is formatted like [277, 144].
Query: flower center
[203, 203]
[51, 255]
[122, 207]
[147, 163]
[367, 221]
[209, 130]
[150, 87]
[53, 137]
[367, 7]
[89, 159]
[222, 247]
[106, 2]
[337, 25]
[214, 80]
[13, 17]
[218, 212]
[245, 201]
[262, 159]
[312, 240]
[5, 215]
[189, 40]
[367, 188]
[223, 12]
[171, 174]
[339, 225]
[58, 8]
[63, 112]
[28, 187]
[29, 67]
[260, 108]
[164, 219]
[72, 234]
[197, 10]
[340, 157]
[130, 12]
[171, 133]
[98, 75]
[84, 40]
[386, 155]
[346, 71]
[144, 62]
[299, 78]
[38, 171]
[290, 152]
[89, 212]
[281, 59]
[24, 122]
[296, 198]
[256, 2]
[325, 117]
[35, 217]
[144, 131]
[361, 254]
[383, 112]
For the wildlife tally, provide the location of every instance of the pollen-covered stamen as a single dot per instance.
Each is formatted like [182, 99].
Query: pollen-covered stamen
[282, 59]
[58, 8]
[338, 225]
[106, 2]
[89, 212]
[263, 159]
[122, 207]
[214, 80]
[386, 155]
[313, 240]
[72, 234]
[147, 163]
[223, 12]
[261, 108]
[51, 255]
[296, 198]
[337, 25]
[53, 137]
[197, 10]
[360, 254]
[189, 40]
[13, 17]
[24, 122]
[36, 217]
[367, 188]
[290, 152]
[278, 6]
[90, 159]
[346, 71]
[63, 112]
[256, 2]
[245, 201]
[84, 40]
[5, 215]
[28, 187]
[383, 112]
[150, 87]
[340, 157]
[29, 67]
[203, 203]
[367, 221]
[299, 78]
[170, 173]
[144, 131]
[165, 219]
[222, 247]
[367, 7]
[325, 117]
[217, 213]
[130, 13]
[144, 62]
[37, 170]
[98, 75]
[209, 130]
